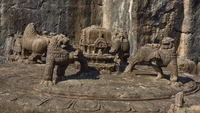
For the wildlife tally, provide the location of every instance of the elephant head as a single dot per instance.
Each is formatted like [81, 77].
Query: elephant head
[120, 43]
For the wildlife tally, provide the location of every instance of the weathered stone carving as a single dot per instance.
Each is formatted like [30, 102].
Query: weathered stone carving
[15, 47]
[164, 56]
[187, 65]
[61, 53]
[180, 106]
[103, 52]
[120, 45]
[96, 43]
[17, 44]
[95, 39]
[33, 42]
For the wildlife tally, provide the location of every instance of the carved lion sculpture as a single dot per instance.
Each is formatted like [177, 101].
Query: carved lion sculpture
[61, 53]
[33, 42]
[164, 56]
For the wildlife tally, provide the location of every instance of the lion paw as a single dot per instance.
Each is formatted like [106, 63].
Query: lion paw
[47, 83]
[30, 62]
[127, 70]
[129, 74]
[175, 84]
[158, 77]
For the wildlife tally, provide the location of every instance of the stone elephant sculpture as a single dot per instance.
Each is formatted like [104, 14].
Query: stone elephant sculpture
[120, 45]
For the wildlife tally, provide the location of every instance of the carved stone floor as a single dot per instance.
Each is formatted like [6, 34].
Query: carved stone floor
[139, 91]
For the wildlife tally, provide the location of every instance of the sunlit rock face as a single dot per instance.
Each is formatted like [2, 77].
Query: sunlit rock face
[121, 14]
[146, 21]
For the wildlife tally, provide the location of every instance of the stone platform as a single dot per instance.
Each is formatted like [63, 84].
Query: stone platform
[139, 91]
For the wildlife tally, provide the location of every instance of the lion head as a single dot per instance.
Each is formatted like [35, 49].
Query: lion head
[167, 43]
[59, 42]
[30, 30]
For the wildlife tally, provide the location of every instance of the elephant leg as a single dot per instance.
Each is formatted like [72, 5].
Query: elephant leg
[83, 62]
[173, 71]
[84, 65]
[61, 70]
[158, 70]
[48, 73]
[130, 66]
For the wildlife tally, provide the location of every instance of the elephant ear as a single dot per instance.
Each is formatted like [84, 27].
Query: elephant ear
[124, 44]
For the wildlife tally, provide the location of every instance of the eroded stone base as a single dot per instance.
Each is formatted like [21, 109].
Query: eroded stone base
[138, 91]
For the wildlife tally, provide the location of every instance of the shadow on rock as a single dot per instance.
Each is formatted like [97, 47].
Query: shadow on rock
[181, 79]
[184, 80]
[92, 74]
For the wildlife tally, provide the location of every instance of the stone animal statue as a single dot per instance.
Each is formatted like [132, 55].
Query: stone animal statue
[15, 48]
[120, 45]
[187, 65]
[61, 53]
[157, 58]
[17, 44]
[33, 42]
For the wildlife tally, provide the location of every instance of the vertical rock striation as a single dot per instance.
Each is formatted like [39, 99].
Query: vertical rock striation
[146, 21]
[194, 31]
[81, 14]
[190, 31]
[121, 14]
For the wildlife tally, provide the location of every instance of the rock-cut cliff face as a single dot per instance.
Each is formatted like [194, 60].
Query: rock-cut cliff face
[48, 15]
[59, 16]
[146, 21]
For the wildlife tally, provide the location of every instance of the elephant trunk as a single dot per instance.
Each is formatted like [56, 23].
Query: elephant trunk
[115, 46]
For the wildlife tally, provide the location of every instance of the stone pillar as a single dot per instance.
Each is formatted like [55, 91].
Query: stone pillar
[107, 14]
[186, 30]
[2, 33]
[179, 99]
[132, 34]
